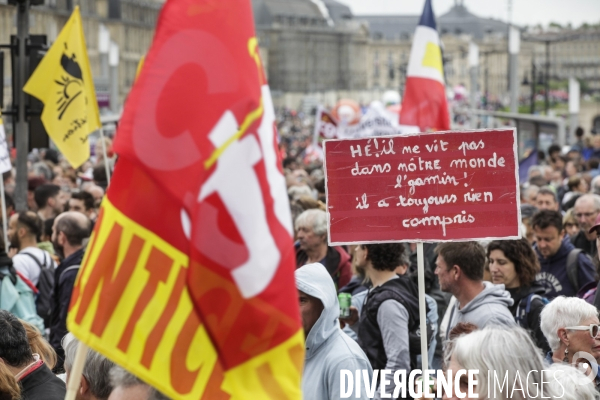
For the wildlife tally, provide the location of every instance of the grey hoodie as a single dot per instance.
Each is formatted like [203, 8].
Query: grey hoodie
[328, 349]
[490, 307]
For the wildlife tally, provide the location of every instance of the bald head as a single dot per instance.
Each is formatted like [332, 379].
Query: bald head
[96, 191]
[75, 227]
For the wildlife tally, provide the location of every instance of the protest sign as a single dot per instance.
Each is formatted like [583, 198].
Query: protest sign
[442, 186]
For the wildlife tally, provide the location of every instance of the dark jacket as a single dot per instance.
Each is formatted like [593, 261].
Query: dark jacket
[581, 242]
[63, 287]
[369, 333]
[336, 261]
[553, 275]
[42, 384]
[532, 320]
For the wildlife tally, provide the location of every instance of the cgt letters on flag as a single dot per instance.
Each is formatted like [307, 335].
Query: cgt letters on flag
[188, 278]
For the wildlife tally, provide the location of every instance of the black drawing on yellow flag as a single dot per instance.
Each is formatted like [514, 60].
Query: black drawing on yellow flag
[71, 82]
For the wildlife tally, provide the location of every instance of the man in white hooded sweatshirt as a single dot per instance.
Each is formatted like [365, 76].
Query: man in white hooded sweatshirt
[328, 349]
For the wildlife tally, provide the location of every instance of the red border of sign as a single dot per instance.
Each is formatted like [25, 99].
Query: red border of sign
[517, 192]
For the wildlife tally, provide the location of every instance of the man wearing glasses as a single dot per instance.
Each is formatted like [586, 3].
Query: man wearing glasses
[587, 208]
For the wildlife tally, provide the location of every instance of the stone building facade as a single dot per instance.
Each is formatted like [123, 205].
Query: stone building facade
[131, 24]
[319, 47]
[308, 49]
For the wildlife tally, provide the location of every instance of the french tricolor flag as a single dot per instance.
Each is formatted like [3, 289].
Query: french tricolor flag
[424, 103]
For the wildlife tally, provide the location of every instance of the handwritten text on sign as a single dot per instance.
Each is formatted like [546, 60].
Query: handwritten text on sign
[434, 187]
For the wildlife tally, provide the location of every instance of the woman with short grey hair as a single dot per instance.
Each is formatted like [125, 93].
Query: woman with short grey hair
[501, 353]
[571, 327]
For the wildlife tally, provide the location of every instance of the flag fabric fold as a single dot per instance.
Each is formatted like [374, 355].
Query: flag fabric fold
[195, 234]
[424, 103]
[527, 162]
[63, 82]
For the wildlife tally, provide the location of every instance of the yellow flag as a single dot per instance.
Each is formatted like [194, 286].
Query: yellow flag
[63, 82]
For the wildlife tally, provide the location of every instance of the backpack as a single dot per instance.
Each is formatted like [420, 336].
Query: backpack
[414, 328]
[17, 298]
[573, 268]
[414, 338]
[524, 308]
[45, 286]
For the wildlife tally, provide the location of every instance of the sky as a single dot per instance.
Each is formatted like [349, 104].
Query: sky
[524, 12]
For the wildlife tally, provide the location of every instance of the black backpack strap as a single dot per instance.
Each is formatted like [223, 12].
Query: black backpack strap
[71, 268]
[530, 300]
[573, 268]
[524, 308]
[521, 314]
[42, 266]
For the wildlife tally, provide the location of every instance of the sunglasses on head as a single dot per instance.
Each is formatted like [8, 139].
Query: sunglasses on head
[592, 328]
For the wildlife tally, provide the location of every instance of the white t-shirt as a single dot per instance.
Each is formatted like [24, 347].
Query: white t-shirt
[27, 265]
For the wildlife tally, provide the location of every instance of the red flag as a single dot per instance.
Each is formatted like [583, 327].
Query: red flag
[199, 126]
[424, 103]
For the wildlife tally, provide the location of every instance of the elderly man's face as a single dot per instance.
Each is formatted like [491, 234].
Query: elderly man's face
[308, 239]
[585, 213]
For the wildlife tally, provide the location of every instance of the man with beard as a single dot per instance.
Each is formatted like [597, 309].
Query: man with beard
[24, 229]
[459, 268]
[68, 234]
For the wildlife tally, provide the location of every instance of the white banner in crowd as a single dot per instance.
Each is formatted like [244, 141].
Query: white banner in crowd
[377, 121]
[5, 164]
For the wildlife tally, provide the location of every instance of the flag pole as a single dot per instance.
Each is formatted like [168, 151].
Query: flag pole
[76, 372]
[106, 166]
[422, 307]
[4, 221]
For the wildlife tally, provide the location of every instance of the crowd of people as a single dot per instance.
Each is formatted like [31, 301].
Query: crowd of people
[502, 306]
[506, 307]
[38, 268]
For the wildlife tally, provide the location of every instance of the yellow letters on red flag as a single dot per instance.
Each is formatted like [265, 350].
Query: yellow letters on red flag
[188, 278]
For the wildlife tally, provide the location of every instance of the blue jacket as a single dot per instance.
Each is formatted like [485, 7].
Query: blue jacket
[15, 296]
[553, 274]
